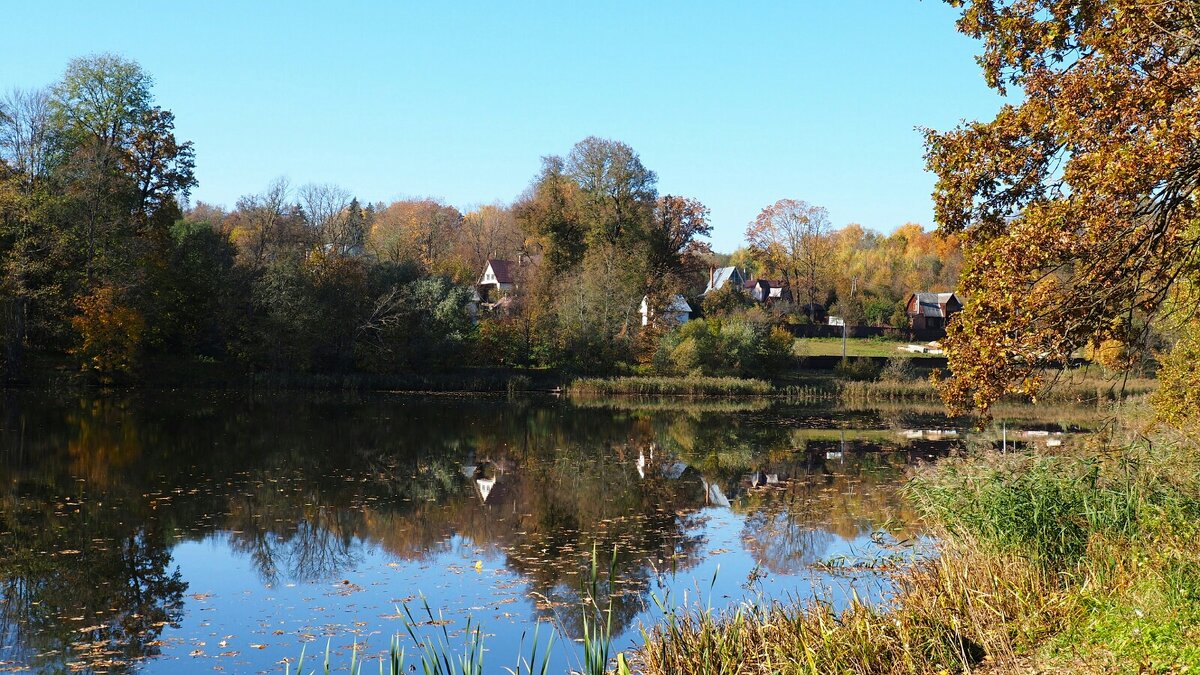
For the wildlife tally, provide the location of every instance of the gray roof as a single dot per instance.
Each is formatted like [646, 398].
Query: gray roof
[679, 304]
[721, 276]
[933, 304]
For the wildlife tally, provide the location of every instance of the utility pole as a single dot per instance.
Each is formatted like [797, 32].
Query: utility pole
[853, 290]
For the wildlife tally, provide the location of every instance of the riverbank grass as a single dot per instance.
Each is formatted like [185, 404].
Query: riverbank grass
[670, 386]
[1083, 562]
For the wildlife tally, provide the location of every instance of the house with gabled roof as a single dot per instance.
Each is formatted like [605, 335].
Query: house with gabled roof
[758, 289]
[719, 276]
[931, 310]
[677, 311]
[766, 290]
[498, 274]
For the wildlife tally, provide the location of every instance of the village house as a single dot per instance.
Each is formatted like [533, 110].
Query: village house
[719, 276]
[776, 290]
[931, 311]
[759, 290]
[498, 279]
[766, 290]
[678, 311]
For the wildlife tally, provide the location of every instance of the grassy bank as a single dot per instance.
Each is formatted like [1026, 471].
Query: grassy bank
[1087, 389]
[1076, 563]
[877, 347]
[670, 386]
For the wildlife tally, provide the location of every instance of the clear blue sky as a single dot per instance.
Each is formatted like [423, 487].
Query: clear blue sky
[736, 104]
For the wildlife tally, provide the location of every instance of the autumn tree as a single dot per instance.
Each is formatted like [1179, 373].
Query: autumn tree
[489, 231]
[598, 307]
[268, 225]
[547, 214]
[162, 168]
[792, 237]
[1077, 201]
[420, 230]
[617, 192]
[675, 226]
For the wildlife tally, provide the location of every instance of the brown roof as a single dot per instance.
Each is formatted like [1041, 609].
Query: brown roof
[503, 270]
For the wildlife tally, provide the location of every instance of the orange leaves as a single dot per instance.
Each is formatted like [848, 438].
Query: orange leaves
[110, 332]
[1075, 204]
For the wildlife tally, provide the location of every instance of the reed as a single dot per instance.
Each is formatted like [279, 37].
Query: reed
[670, 386]
[1083, 562]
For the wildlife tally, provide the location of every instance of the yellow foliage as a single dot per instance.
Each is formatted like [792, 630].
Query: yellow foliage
[110, 332]
[1177, 399]
[1113, 354]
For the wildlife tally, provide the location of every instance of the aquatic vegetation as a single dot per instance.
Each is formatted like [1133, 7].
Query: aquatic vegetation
[658, 386]
[1083, 561]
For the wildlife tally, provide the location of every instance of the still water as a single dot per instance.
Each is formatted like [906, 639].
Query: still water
[169, 532]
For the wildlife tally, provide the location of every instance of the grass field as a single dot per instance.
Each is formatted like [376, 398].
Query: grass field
[854, 347]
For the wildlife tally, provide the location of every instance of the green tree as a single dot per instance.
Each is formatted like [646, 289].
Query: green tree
[547, 214]
[28, 248]
[102, 99]
[616, 194]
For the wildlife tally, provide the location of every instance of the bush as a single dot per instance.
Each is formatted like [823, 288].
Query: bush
[858, 369]
[724, 347]
[898, 369]
[1178, 397]
[728, 300]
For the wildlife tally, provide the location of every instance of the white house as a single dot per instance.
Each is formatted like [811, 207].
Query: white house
[678, 311]
[498, 274]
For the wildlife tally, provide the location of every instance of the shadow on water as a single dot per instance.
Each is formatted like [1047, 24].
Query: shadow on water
[99, 498]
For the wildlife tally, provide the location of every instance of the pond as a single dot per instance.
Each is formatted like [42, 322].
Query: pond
[183, 531]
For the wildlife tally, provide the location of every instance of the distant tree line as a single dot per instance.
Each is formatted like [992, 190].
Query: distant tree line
[107, 266]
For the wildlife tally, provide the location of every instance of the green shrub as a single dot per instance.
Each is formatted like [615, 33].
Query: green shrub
[724, 347]
[898, 369]
[858, 369]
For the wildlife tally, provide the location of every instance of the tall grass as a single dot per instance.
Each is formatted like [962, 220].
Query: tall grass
[1089, 390]
[689, 406]
[940, 620]
[1049, 507]
[667, 386]
[1073, 563]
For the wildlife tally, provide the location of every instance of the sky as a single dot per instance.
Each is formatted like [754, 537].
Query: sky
[737, 104]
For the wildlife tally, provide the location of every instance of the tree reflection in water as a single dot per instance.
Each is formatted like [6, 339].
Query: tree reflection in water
[93, 494]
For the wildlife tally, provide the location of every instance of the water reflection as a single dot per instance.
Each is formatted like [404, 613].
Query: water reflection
[96, 496]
